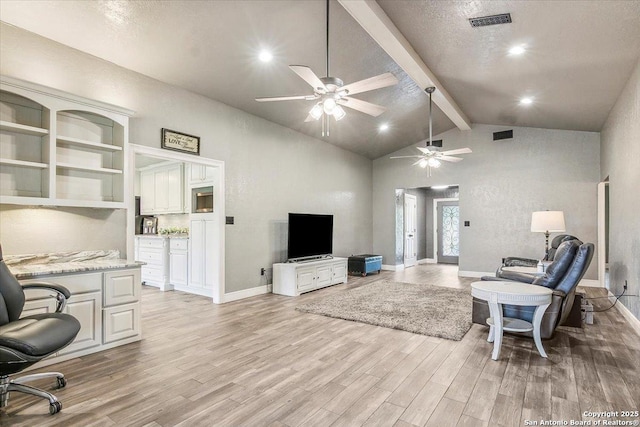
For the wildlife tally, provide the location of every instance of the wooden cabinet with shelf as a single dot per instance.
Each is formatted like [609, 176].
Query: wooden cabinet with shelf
[60, 149]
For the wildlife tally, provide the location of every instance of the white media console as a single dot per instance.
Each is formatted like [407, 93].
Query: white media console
[295, 278]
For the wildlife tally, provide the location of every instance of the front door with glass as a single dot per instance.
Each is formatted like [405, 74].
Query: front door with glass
[448, 232]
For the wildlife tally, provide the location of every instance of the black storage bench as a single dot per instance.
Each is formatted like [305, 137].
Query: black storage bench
[364, 264]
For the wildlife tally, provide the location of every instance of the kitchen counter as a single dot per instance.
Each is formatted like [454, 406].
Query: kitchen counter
[35, 265]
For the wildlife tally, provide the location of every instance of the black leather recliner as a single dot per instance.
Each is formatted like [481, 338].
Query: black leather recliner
[571, 262]
[550, 255]
[25, 341]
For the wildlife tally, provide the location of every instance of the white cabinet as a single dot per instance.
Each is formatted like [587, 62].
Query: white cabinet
[107, 305]
[178, 261]
[121, 287]
[154, 252]
[120, 322]
[200, 174]
[162, 190]
[88, 310]
[202, 257]
[60, 149]
[292, 279]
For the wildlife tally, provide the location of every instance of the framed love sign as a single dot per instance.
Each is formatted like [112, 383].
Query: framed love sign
[177, 141]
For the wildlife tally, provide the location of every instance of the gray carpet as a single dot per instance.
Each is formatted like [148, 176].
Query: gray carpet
[422, 309]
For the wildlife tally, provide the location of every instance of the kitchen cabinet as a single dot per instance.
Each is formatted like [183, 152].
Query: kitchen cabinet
[154, 252]
[162, 190]
[58, 149]
[178, 261]
[200, 174]
[293, 279]
[202, 257]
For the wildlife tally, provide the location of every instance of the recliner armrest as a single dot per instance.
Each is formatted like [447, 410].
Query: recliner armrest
[62, 293]
[495, 279]
[516, 276]
[513, 261]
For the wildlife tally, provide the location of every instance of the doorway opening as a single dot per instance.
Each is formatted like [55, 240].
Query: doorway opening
[205, 258]
[603, 233]
[420, 239]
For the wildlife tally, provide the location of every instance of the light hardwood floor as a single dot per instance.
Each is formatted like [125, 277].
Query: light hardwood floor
[260, 362]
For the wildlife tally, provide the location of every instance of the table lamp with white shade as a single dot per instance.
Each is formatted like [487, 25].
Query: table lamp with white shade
[547, 222]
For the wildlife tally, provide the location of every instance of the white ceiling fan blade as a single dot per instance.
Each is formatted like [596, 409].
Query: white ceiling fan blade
[457, 151]
[419, 161]
[308, 76]
[425, 150]
[287, 98]
[405, 157]
[377, 82]
[450, 158]
[362, 106]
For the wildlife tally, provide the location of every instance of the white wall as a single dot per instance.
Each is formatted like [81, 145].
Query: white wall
[270, 170]
[500, 184]
[621, 163]
[27, 230]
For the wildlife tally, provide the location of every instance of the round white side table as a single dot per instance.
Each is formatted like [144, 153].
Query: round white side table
[497, 293]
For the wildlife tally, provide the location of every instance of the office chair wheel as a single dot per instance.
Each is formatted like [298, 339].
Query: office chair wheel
[55, 407]
[62, 382]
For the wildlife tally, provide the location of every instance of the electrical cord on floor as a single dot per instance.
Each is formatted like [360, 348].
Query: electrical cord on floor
[614, 303]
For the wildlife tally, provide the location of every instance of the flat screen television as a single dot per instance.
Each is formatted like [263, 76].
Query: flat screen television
[310, 235]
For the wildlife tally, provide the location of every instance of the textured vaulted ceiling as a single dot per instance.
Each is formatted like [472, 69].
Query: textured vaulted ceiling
[580, 54]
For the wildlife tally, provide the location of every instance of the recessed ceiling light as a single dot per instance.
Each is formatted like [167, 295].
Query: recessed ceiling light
[265, 56]
[517, 50]
[526, 101]
[384, 127]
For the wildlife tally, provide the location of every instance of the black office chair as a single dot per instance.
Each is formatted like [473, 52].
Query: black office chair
[25, 341]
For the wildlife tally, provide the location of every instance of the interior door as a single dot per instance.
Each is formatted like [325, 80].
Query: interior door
[410, 230]
[448, 232]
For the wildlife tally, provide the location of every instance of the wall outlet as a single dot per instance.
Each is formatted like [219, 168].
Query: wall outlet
[262, 271]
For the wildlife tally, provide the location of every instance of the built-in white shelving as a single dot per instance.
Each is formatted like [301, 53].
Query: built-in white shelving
[15, 162]
[60, 149]
[22, 129]
[88, 168]
[82, 142]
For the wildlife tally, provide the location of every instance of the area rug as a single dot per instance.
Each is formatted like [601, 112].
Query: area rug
[419, 308]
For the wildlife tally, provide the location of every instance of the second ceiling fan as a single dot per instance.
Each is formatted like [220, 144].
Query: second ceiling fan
[430, 157]
[331, 94]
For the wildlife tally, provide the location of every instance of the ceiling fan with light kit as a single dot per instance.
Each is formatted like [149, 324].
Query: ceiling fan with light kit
[430, 157]
[331, 94]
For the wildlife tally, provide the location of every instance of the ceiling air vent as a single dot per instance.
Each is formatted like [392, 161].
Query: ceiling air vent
[483, 21]
[505, 134]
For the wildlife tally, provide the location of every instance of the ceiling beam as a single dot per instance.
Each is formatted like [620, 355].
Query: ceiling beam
[372, 18]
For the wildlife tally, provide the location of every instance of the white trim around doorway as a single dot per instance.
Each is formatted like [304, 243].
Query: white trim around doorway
[219, 202]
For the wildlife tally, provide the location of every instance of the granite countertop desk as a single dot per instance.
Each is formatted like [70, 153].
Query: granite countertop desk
[31, 266]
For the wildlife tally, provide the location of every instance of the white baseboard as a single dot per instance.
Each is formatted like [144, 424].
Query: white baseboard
[246, 293]
[633, 320]
[388, 267]
[592, 283]
[427, 261]
[474, 273]
[193, 290]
